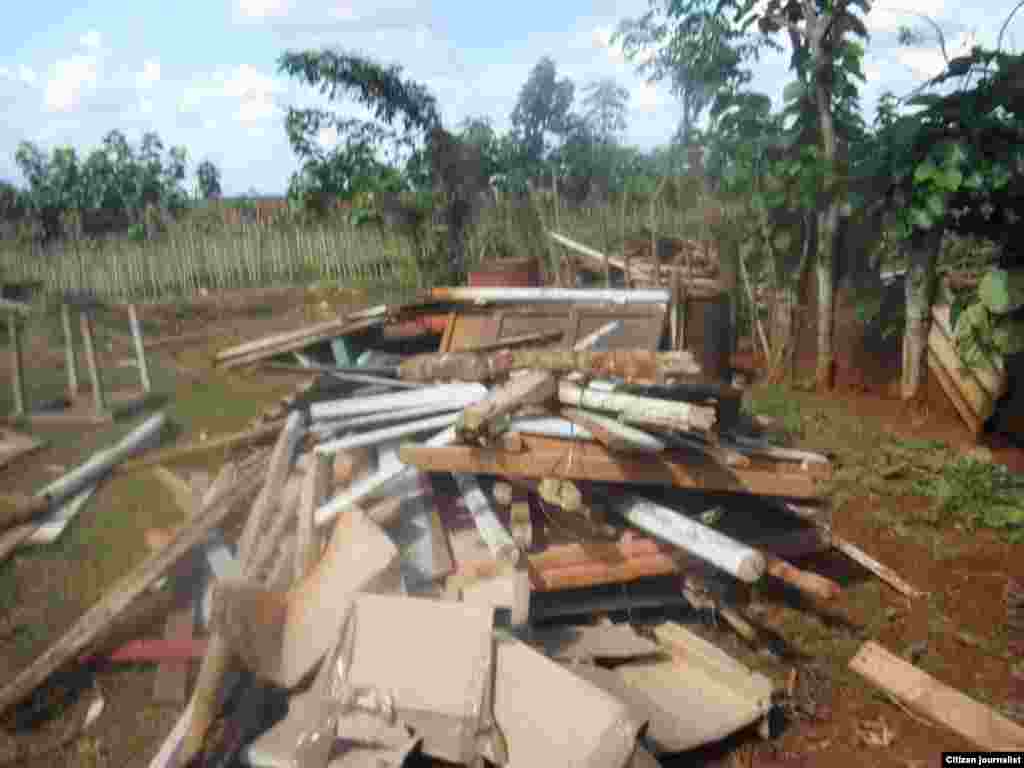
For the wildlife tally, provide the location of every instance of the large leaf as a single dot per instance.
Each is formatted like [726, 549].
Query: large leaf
[1008, 335]
[1002, 291]
[793, 91]
[925, 171]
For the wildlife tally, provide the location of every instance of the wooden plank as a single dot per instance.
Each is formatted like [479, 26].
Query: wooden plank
[14, 445]
[216, 509]
[545, 457]
[971, 390]
[260, 434]
[975, 424]
[936, 700]
[681, 416]
[95, 377]
[991, 376]
[520, 340]
[298, 341]
[17, 364]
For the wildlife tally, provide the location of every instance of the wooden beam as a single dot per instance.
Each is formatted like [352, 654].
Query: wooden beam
[171, 455]
[681, 416]
[99, 398]
[140, 350]
[70, 361]
[290, 342]
[519, 340]
[216, 509]
[545, 457]
[613, 434]
[17, 364]
[936, 700]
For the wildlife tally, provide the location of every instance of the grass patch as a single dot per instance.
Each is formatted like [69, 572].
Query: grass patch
[777, 402]
[978, 494]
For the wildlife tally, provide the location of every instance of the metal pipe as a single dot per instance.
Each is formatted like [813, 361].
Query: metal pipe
[460, 395]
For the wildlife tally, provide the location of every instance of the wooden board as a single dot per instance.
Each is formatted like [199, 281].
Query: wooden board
[934, 699]
[14, 445]
[974, 423]
[642, 325]
[547, 457]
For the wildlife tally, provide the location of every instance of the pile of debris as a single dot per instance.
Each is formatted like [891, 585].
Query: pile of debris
[436, 540]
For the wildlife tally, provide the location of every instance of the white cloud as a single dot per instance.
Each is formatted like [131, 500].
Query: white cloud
[27, 75]
[91, 40]
[71, 76]
[648, 97]
[146, 106]
[263, 9]
[150, 74]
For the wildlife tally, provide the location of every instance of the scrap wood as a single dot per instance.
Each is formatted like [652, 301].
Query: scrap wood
[174, 454]
[217, 662]
[632, 365]
[315, 490]
[519, 340]
[506, 295]
[376, 437]
[217, 506]
[281, 635]
[499, 541]
[682, 416]
[855, 553]
[618, 642]
[14, 445]
[613, 434]
[280, 344]
[936, 700]
[477, 421]
[550, 716]
[702, 598]
[75, 482]
[545, 457]
[460, 394]
[446, 701]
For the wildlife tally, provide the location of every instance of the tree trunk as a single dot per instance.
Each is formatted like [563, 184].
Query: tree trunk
[826, 273]
[922, 255]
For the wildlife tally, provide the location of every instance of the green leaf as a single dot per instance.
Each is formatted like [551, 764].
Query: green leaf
[1002, 291]
[925, 171]
[1008, 335]
[920, 218]
[974, 181]
[950, 179]
[793, 91]
[936, 205]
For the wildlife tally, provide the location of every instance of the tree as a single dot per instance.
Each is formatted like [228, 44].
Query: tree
[696, 47]
[208, 178]
[605, 103]
[543, 106]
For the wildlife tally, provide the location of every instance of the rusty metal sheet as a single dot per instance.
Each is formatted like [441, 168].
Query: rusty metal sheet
[642, 325]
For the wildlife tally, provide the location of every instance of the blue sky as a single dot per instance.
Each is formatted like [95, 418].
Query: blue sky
[202, 74]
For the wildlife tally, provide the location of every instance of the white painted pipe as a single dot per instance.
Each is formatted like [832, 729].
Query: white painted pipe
[372, 483]
[331, 428]
[598, 340]
[458, 395]
[733, 557]
[684, 415]
[498, 540]
[553, 295]
[383, 435]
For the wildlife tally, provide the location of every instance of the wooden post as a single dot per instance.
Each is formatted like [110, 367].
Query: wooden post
[140, 352]
[17, 364]
[94, 371]
[70, 361]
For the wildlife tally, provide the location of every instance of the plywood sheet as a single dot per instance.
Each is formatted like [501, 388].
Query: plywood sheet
[642, 325]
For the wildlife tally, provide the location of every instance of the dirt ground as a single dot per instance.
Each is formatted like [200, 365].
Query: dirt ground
[956, 633]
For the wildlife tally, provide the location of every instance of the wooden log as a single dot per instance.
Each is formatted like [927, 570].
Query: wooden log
[544, 457]
[17, 365]
[280, 344]
[70, 361]
[736, 559]
[613, 434]
[632, 365]
[682, 416]
[216, 509]
[477, 420]
[140, 350]
[936, 700]
[95, 377]
[809, 583]
[974, 422]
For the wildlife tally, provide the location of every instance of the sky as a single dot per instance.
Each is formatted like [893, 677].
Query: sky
[203, 74]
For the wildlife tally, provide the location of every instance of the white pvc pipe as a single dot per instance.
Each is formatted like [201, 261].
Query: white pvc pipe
[553, 295]
[458, 395]
[372, 483]
[384, 435]
[733, 557]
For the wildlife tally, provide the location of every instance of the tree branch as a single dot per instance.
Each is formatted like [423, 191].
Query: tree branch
[1006, 23]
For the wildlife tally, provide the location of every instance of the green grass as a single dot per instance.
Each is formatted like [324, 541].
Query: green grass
[978, 494]
[779, 403]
